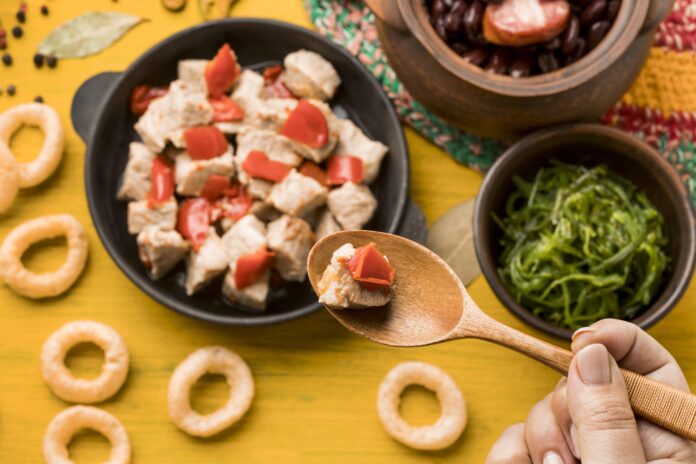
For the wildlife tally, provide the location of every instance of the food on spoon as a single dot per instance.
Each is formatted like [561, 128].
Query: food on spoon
[356, 278]
[235, 169]
[581, 244]
[517, 23]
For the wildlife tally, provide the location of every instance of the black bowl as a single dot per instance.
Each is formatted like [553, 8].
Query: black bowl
[590, 144]
[101, 116]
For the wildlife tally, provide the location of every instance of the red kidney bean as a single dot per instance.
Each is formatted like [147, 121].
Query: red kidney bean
[596, 33]
[612, 10]
[522, 66]
[459, 47]
[547, 62]
[579, 51]
[499, 61]
[473, 19]
[440, 28]
[553, 44]
[592, 12]
[570, 35]
[453, 19]
[437, 11]
[477, 56]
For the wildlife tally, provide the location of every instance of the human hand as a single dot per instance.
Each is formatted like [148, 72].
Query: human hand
[588, 415]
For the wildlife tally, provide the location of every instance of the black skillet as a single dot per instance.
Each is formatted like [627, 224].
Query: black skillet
[102, 118]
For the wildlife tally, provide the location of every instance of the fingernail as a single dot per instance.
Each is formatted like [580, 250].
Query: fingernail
[582, 331]
[552, 457]
[593, 365]
[575, 442]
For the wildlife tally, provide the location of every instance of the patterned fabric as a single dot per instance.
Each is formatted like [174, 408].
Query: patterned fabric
[660, 108]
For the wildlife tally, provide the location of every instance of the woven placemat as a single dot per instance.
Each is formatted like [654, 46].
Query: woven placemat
[660, 108]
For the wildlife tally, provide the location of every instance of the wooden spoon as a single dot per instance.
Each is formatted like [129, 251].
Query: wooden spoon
[430, 305]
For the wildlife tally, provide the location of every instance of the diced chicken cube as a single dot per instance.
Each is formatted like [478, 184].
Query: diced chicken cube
[270, 113]
[276, 147]
[135, 184]
[297, 194]
[352, 141]
[253, 296]
[338, 290]
[259, 189]
[205, 264]
[249, 89]
[327, 225]
[192, 72]
[161, 250]
[191, 175]
[352, 205]
[245, 237]
[320, 154]
[167, 117]
[140, 216]
[308, 74]
[291, 238]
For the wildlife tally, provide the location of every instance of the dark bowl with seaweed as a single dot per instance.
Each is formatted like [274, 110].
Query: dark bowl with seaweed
[582, 222]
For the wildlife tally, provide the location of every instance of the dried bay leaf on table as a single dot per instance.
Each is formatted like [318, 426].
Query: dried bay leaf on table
[451, 237]
[87, 34]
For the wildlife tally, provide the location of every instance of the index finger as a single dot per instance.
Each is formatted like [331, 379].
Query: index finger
[633, 349]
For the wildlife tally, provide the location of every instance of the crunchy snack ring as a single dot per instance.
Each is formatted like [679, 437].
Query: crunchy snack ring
[48, 159]
[216, 360]
[69, 388]
[449, 426]
[68, 422]
[9, 177]
[30, 284]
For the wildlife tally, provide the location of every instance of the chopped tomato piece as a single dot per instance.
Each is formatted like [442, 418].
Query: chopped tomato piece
[215, 187]
[307, 125]
[225, 109]
[258, 164]
[342, 169]
[162, 182]
[250, 268]
[272, 73]
[313, 170]
[222, 71]
[194, 220]
[205, 142]
[371, 269]
[235, 206]
[142, 95]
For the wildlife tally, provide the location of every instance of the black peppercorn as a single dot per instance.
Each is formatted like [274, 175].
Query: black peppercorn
[44, 10]
[7, 59]
[38, 99]
[11, 90]
[21, 16]
[51, 61]
[17, 32]
[38, 60]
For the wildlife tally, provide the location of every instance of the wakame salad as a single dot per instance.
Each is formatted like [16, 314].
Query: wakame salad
[581, 244]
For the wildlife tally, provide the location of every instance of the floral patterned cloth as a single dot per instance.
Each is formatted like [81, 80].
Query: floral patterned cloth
[660, 108]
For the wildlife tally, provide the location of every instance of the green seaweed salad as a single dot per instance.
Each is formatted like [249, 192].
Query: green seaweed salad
[581, 244]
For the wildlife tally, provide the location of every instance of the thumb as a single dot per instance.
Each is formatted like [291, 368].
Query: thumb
[606, 430]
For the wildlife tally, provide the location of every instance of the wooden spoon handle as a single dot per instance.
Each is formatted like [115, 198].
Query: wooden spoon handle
[671, 409]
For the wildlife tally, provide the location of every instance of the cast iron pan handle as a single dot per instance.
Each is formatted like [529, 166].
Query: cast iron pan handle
[87, 101]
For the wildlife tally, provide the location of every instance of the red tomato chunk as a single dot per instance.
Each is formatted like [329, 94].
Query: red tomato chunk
[222, 72]
[215, 187]
[234, 205]
[257, 164]
[225, 109]
[342, 169]
[142, 96]
[251, 267]
[194, 220]
[162, 188]
[371, 269]
[307, 125]
[205, 142]
[314, 171]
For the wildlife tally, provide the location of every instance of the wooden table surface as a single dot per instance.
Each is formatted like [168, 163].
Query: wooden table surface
[316, 383]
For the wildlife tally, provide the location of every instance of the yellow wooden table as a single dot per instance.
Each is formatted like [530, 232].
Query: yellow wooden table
[316, 383]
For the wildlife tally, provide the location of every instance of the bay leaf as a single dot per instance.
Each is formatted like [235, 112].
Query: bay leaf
[87, 34]
[451, 237]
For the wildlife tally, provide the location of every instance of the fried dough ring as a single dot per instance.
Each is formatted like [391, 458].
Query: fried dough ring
[59, 378]
[216, 360]
[9, 177]
[68, 422]
[30, 284]
[437, 436]
[48, 159]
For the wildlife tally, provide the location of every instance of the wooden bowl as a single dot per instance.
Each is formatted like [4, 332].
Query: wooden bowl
[502, 106]
[590, 144]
